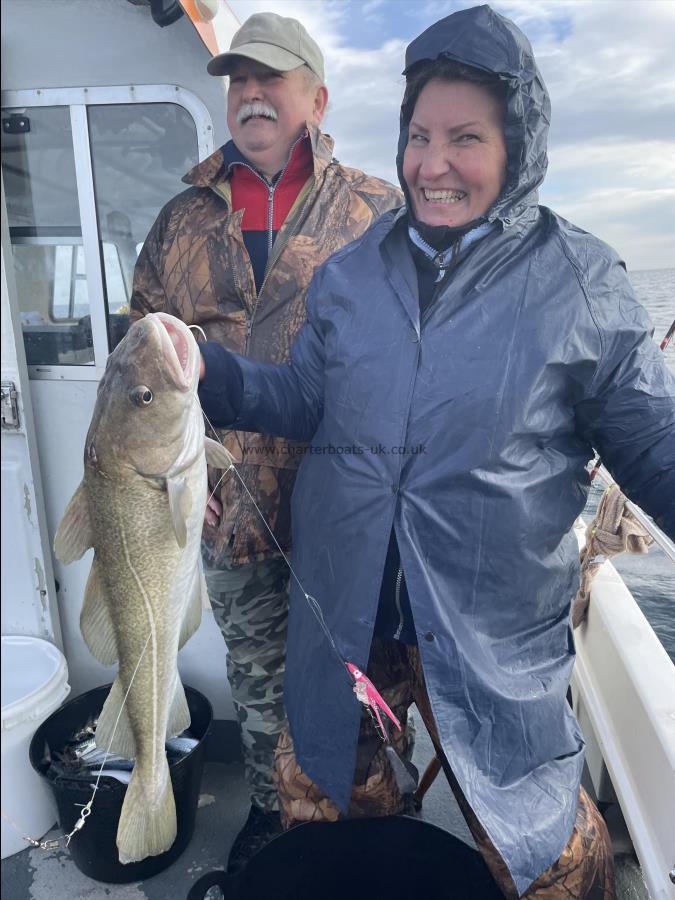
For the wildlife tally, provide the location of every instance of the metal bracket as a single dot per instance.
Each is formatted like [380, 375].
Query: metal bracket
[10, 407]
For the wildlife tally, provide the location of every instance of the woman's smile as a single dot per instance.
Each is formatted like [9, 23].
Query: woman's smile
[455, 160]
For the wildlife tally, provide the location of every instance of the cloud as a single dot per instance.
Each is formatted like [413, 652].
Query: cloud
[610, 70]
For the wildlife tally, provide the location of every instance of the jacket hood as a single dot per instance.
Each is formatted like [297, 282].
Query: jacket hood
[481, 38]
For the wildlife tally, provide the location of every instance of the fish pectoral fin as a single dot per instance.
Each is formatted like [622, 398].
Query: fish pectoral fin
[117, 738]
[193, 610]
[180, 504]
[218, 456]
[74, 535]
[95, 622]
[179, 714]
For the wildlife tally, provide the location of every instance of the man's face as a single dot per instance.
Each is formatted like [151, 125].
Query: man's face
[267, 111]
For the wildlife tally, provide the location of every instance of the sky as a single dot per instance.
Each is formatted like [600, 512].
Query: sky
[609, 66]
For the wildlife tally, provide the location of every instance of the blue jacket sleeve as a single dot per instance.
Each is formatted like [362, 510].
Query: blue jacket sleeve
[629, 412]
[221, 391]
[284, 400]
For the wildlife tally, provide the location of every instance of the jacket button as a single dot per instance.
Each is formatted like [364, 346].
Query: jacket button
[429, 636]
[394, 489]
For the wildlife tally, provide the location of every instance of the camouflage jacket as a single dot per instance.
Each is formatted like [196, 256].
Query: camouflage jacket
[194, 265]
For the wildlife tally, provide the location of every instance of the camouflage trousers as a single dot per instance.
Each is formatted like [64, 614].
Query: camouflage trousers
[585, 868]
[250, 605]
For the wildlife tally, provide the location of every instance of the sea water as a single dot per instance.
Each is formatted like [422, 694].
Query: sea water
[651, 578]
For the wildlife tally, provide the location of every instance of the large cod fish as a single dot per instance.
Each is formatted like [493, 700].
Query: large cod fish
[141, 506]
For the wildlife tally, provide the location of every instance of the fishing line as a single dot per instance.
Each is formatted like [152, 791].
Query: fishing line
[86, 809]
[312, 602]
[199, 329]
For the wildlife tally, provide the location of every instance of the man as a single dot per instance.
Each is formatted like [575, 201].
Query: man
[235, 253]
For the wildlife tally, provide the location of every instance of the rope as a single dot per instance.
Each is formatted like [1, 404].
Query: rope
[614, 530]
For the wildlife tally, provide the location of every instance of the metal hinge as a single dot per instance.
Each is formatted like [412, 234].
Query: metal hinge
[10, 407]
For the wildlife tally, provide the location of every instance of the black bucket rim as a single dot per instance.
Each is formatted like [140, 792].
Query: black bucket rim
[95, 854]
[39, 767]
[318, 836]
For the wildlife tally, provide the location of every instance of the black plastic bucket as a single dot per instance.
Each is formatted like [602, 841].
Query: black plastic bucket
[94, 848]
[395, 857]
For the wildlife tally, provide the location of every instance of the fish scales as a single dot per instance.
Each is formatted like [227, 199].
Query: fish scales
[141, 506]
[143, 569]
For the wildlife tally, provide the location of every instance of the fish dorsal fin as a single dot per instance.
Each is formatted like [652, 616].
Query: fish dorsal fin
[193, 610]
[218, 456]
[95, 622]
[180, 504]
[74, 535]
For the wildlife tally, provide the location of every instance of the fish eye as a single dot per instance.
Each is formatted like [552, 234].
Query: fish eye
[141, 395]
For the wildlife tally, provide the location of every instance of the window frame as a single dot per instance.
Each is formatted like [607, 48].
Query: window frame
[78, 100]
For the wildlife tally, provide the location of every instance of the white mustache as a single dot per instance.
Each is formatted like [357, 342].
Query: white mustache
[248, 110]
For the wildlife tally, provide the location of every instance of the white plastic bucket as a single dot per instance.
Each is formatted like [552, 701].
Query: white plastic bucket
[34, 684]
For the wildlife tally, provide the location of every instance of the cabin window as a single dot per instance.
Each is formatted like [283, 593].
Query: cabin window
[84, 183]
[139, 154]
[46, 233]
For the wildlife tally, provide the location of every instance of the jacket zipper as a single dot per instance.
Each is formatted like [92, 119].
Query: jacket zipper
[270, 221]
[397, 601]
[448, 270]
[279, 245]
[249, 319]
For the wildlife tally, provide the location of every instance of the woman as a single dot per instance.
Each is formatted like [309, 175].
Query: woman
[459, 363]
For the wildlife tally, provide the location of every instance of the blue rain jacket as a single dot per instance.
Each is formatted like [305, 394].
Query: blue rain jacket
[468, 432]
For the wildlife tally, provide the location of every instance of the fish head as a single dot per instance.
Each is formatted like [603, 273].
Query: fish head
[147, 413]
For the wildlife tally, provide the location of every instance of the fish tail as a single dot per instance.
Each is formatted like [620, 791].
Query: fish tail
[147, 825]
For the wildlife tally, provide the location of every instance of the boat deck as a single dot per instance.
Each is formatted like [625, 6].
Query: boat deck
[35, 874]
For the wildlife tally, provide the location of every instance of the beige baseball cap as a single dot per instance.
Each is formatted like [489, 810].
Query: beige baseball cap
[274, 41]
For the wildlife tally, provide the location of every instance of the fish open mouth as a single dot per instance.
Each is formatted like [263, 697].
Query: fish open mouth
[179, 348]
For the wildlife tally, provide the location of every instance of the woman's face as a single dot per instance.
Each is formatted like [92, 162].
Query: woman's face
[455, 161]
